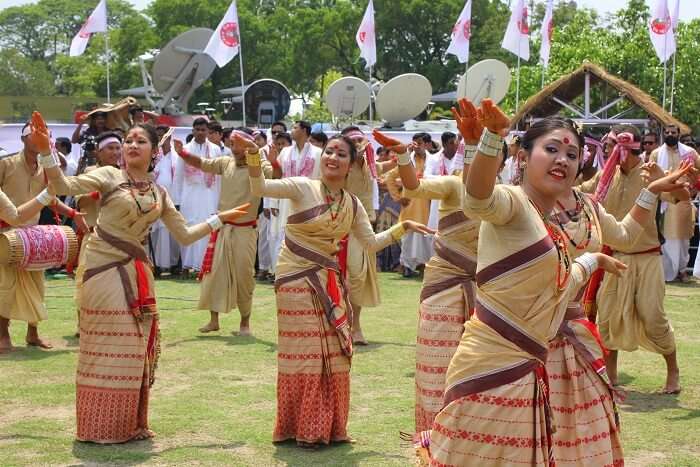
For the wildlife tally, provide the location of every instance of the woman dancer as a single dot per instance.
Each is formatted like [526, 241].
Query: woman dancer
[496, 398]
[583, 408]
[119, 337]
[447, 296]
[313, 312]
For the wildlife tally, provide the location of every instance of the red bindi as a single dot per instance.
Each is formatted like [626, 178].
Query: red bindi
[566, 140]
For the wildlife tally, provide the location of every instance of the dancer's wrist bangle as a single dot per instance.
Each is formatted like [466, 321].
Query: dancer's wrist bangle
[47, 161]
[589, 262]
[253, 160]
[403, 159]
[469, 153]
[397, 231]
[646, 199]
[215, 222]
[490, 144]
[45, 198]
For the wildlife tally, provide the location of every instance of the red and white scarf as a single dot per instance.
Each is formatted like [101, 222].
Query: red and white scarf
[193, 173]
[356, 135]
[305, 166]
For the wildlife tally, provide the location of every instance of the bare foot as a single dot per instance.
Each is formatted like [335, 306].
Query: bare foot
[38, 342]
[243, 332]
[6, 345]
[209, 328]
[358, 338]
[144, 434]
[673, 383]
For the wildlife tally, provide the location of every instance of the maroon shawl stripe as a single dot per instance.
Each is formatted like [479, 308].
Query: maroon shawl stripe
[508, 331]
[455, 258]
[490, 381]
[311, 255]
[452, 220]
[514, 261]
[308, 214]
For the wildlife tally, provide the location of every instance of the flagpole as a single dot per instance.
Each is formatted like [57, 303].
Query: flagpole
[544, 70]
[107, 51]
[665, 71]
[240, 59]
[466, 73]
[673, 80]
[369, 83]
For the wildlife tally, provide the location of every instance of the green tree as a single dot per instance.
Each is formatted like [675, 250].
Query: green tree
[23, 76]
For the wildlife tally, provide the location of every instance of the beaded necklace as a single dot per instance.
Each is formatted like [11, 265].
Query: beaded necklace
[142, 188]
[579, 210]
[562, 251]
[331, 201]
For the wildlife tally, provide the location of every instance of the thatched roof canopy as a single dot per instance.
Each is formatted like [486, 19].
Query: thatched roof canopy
[569, 87]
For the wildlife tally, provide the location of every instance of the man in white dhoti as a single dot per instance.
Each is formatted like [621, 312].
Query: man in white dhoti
[416, 248]
[198, 192]
[301, 159]
[264, 218]
[678, 222]
[166, 251]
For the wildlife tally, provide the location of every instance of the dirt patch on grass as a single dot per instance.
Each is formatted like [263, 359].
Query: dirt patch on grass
[645, 458]
[16, 414]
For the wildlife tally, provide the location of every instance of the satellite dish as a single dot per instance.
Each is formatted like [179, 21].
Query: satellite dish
[266, 101]
[179, 68]
[488, 78]
[403, 97]
[347, 97]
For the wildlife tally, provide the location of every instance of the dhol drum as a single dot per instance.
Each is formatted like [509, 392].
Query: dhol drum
[38, 247]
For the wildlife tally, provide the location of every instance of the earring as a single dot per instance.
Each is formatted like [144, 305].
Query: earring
[523, 165]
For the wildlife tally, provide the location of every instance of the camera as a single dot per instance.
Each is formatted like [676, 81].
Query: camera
[89, 144]
[89, 153]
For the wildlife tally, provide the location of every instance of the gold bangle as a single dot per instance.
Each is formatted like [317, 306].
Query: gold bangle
[397, 231]
[253, 160]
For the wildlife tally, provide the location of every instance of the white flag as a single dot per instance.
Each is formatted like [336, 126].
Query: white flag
[96, 22]
[459, 45]
[365, 37]
[224, 43]
[547, 30]
[661, 31]
[517, 39]
[674, 15]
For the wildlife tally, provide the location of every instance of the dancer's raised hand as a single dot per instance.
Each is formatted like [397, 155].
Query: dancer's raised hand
[493, 118]
[391, 144]
[468, 124]
[39, 137]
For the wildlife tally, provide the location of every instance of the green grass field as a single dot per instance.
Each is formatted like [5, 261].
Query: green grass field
[214, 398]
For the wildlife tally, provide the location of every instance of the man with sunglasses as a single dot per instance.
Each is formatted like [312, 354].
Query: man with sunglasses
[650, 141]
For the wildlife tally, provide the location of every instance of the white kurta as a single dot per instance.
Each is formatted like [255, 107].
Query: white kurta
[199, 196]
[278, 222]
[166, 250]
[437, 165]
